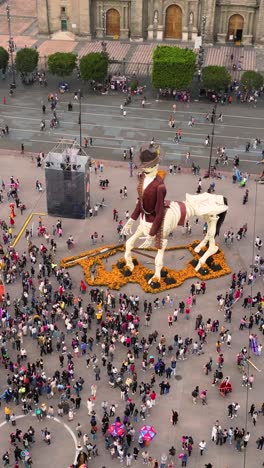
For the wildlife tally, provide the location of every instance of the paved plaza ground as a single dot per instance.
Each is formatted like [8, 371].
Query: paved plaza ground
[112, 133]
[193, 420]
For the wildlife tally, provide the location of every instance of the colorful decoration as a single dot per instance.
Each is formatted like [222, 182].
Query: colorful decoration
[148, 433]
[12, 210]
[96, 273]
[117, 429]
[159, 217]
[12, 214]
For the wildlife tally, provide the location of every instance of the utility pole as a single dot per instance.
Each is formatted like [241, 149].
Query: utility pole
[80, 115]
[11, 46]
[213, 120]
[201, 49]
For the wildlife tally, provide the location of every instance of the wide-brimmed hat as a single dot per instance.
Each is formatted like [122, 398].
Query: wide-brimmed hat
[148, 155]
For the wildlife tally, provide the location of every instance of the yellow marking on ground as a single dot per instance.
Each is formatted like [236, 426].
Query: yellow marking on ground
[26, 223]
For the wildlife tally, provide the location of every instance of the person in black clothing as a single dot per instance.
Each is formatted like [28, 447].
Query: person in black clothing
[174, 417]
[17, 453]
[135, 453]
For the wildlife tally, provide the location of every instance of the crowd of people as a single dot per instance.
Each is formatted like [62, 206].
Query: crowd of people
[93, 335]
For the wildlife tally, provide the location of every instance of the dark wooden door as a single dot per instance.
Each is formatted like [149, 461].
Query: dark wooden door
[235, 27]
[173, 22]
[112, 22]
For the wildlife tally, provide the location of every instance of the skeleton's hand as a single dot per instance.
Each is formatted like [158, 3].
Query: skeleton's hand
[127, 229]
[147, 243]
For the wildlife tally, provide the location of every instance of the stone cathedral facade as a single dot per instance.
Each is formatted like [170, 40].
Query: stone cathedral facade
[238, 21]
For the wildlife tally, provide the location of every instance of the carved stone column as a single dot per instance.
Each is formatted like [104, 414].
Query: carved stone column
[209, 12]
[84, 18]
[136, 19]
[259, 24]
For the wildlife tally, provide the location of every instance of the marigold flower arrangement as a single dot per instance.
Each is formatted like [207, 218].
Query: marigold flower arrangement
[96, 274]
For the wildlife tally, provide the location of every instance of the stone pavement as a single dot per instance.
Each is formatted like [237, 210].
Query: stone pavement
[193, 420]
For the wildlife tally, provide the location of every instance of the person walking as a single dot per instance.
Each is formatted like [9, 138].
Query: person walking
[129, 459]
[97, 372]
[251, 381]
[230, 409]
[260, 443]
[246, 439]
[6, 458]
[174, 417]
[184, 459]
[202, 446]
[255, 417]
[195, 394]
[236, 408]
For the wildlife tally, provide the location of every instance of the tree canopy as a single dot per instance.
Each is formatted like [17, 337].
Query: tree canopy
[62, 63]
[26, 60]
[94, 66]
[173, 67]
[215, 77]
[4, 57]
[252, 80]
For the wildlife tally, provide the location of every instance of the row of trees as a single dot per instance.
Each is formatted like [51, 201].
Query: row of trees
[174, 67]
[93, 66]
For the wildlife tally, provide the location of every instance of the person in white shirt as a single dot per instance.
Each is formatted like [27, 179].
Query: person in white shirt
[202, 446]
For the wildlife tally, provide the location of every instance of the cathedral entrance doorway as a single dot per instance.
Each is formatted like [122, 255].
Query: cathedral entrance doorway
[235, 28]
[173, 22]
[112, 22]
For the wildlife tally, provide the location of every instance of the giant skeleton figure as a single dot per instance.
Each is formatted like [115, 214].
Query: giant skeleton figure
[158, 217]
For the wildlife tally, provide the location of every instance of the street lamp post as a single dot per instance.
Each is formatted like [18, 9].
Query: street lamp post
[201, 49]
[11, 44]
[213, 119]
[80, 115]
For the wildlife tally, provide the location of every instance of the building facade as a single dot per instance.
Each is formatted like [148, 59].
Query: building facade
[240, 21]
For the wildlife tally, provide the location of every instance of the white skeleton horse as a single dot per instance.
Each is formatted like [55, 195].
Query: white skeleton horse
[212, 208]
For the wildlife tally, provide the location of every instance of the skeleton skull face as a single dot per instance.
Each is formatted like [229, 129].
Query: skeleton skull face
[150, 171]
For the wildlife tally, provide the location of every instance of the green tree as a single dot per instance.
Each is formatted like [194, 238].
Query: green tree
[26, 60]
[215, 77]
[4, 57]
[252, 80]
[62, 63]
[173, 67]
[94, 66]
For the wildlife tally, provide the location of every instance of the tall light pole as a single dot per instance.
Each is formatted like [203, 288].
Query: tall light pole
[201, 48]
[213, 119]
[11, 44]
[80, 115]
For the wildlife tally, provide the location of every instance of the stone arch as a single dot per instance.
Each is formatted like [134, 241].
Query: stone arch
[112, 22]
[173, 22]
[235, 27]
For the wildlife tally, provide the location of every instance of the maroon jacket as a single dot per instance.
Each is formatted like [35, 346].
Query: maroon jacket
[152, 204]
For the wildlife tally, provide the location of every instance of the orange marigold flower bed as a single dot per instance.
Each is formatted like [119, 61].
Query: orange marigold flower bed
[96, 274]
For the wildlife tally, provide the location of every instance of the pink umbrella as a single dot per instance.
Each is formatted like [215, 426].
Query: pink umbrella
[117, 429]
[147, 432]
